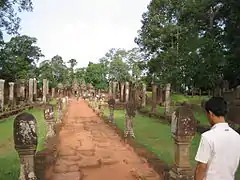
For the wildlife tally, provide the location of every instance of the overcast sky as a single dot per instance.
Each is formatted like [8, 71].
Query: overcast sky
[83, 29]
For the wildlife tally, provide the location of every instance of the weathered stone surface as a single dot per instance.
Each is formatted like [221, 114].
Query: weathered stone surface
[25, 131]
[70, 175]
[89, 162]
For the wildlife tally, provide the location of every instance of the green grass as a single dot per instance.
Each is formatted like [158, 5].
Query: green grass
[9, 160]
[182, 98]
[156, 137]
[53, 102]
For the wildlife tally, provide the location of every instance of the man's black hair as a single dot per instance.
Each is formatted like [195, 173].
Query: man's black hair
[217, 106]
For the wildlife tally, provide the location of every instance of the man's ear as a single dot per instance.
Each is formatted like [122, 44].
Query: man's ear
[210, 114]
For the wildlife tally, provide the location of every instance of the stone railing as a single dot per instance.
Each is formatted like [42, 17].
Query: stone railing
[33, 165]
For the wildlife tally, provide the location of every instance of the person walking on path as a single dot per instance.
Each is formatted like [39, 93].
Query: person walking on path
[218, 153]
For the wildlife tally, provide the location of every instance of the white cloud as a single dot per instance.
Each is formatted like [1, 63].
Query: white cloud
[83, 29]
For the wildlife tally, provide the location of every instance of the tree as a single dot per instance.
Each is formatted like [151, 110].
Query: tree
[10, 22]
[19, 57]
[95, 75]
[73, 63]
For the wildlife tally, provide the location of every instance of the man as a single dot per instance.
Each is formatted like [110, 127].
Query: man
[218, 153]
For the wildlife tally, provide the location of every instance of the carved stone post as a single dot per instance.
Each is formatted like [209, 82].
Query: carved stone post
[30, 91]
[2, 81]
[111, 104]
[49, 118]
[11, 93]
[44, 91]
[130, 113]
[114, 90]
[167, 99]
[183, 127]
[126, 91]
[122, 92]
[154, 97]
[144, 95]
[25, 139]
[53, 92]
[59, 110]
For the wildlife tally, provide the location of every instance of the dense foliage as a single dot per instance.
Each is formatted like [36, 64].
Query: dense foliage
[192, 43]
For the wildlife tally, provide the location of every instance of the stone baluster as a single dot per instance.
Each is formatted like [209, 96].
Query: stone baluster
[183, 128]
[25, 139]
[49, 118]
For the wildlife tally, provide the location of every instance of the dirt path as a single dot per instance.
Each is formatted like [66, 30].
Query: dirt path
[91, 150]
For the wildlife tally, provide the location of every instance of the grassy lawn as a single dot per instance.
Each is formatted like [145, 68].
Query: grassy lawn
[182, 98]
[9, 160]
[156, 137]
[198, 115]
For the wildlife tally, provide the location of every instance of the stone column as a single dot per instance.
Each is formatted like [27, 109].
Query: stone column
[30, 92]
[44, 98]
[25, 139]
[47, 87]
[53, 92]
[167, 99]
[59, 109]
[35, 89]
[183, 127]
[114, 90]
[2, 81]
[126, 91]
[122, 92]
[22, 91]
[111, 104]
[144, 95]
[11, 93]
[154, 97]
[49, 118]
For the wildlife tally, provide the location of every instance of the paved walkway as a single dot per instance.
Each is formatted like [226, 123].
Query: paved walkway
[90, 150]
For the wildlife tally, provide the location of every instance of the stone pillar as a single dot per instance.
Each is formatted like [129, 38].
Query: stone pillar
[21, 91]
[154, 97]
[30, 91]
[34, 89]
[126, 91]
[167, 99]
[183, 127]
[47, 87]
[2, 81]
[44, 98]
[122, 92]
[53, 92]
[11, 93]
[160, 95]
[49, 118]
[59, 109]
[144, 95]
[111, 104]
[114, 90]
[25, 139]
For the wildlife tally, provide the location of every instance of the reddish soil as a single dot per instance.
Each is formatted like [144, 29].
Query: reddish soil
[89, 149]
